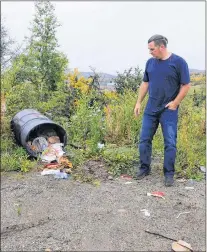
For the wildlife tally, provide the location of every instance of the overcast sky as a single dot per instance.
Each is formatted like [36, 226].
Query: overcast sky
[112, 36]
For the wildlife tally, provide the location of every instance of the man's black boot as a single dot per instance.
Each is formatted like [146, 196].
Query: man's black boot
[142, 173]
[169, 181]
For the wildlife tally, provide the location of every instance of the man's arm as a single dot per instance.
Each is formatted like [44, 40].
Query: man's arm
[142, 93]
[185, 84]
[181, 95]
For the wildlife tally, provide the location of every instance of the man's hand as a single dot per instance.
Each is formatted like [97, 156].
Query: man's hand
[137, 109]
[172, 105]
[182, 93]
[142, 93]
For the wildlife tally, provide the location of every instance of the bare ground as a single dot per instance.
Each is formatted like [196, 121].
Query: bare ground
[41, 212]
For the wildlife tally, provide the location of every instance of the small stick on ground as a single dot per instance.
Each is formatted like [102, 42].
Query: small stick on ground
[160, 235]
[181, 213]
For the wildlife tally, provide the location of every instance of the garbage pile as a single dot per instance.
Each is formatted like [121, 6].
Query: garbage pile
[50, 150]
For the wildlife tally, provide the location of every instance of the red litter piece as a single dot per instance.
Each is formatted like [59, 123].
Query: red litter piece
[157, 194]
[126, 176]
[161, 194]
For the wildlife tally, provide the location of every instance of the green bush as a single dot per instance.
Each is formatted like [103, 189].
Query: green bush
[191, 139]
[16, 160]
[122, 127]
[121, 160]
[86, 127]
[21, 97]
[76, 156]
[13, 157]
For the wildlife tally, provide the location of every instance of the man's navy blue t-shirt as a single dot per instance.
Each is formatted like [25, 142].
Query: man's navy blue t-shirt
[165, 78]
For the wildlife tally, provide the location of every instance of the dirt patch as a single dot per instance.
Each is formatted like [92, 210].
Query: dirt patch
[92, 170]
[64, 215]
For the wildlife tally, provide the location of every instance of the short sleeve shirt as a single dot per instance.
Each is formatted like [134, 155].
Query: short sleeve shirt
[165, 78]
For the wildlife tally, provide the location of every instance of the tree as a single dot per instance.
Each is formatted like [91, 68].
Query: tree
[79, 82]
[42, 64]
[6, 50]
[96, 79]
[129, 80]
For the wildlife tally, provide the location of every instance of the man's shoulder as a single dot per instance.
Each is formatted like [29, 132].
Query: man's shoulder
[178, 59]
[150, 61]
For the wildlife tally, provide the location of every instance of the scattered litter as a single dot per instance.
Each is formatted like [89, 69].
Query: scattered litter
[63, 160]
[146, 212]
[180, 246]
[61, 175]
[100, 145]
[39, 144]
[49, 172]
[181, 213]
[181, 180]
[58, 149]
[49, 149]
[191, 182]
[52, 165]
[203, 169]
[52, 152]
[47, 145]
[57, 173]
[126, 176]
[157, 194]
[110, 177]
[189, 188]
[128, 182]
[29, 144]
[53, 139]
[185, 244]
[48, 157]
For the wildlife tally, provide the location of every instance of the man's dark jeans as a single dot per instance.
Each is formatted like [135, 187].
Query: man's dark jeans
[168, 120]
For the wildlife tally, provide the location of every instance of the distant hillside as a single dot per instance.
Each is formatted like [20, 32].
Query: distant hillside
[103, 75]
[88, 74]
[192, 71]
[106, 79]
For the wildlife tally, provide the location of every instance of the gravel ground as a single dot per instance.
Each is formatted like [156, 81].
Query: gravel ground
[41, 212]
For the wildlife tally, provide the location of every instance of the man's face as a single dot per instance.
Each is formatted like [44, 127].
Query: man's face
[155, 51]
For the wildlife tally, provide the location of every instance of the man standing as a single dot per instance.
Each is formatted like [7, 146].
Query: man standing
[167, 80]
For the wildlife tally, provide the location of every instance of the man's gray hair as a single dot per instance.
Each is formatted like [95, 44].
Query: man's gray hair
[158, 40]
